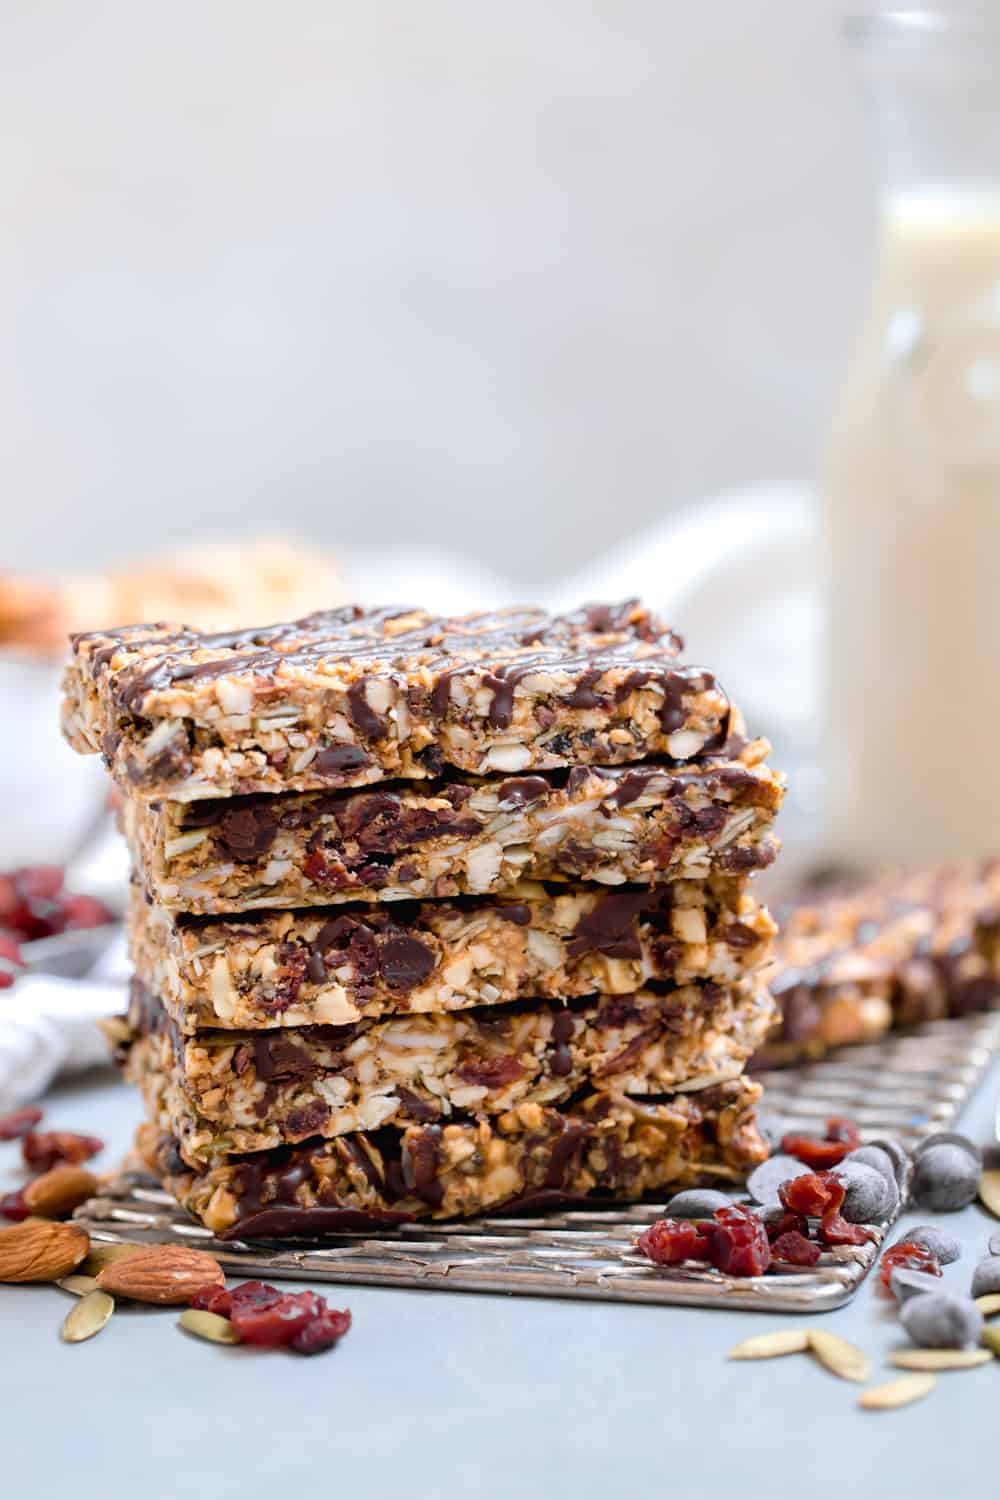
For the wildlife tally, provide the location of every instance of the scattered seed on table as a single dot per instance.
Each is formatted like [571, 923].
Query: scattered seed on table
[769, 1345]
[991, 1339]
[989, 1305]
[88, 1317]
[940, 1359]
[838, 1356]
[897, 1392]
[989, 1192]
[937, 1320]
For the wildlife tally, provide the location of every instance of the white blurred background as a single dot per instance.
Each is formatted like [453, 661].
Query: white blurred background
[516, 278]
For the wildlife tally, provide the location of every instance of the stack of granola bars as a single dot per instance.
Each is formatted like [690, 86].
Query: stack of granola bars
[432, 916]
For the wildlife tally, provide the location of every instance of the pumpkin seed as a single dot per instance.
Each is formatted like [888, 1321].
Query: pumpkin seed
[840, 1357]
[102, 1255]
[897, 1392]
[991, 1338]
[989, 1191]
[208, 1325]
[88, 1317]
[78, 1285]
[940, 1359]
[989, 1303]
[768, 1345]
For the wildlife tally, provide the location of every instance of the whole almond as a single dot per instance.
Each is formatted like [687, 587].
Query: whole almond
[167, 1274]
[57, 1192]
[41, 1250]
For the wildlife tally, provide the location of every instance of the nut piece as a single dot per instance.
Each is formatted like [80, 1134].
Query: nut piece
[989, 1191]
[897, 1392]
[208, 1325]
[840, 1357]
[41, 1250]
[88, 1317]
[167, 1274]
[767, 1345]
[940, 1359]
[59, 1191]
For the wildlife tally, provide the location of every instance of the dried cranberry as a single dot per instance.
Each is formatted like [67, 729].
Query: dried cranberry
[788, 1224]
[738, 1243]
[669, 1241]
[795, 1249]
[18, 1123]
[839, 1129]
[52, 1148]
[322, 1333]
[13, 1206]
[11, 959]
[841, 1137]
[38, 882]
[213, 1299]
[85, 911]
[276, 1325]
[813, 1194]
[254, 1294]
[912, 1255]
[835, 1230]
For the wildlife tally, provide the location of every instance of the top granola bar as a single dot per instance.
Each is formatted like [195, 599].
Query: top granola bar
[351, 696]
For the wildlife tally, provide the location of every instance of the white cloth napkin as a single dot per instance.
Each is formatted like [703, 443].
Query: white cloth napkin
[735, 573]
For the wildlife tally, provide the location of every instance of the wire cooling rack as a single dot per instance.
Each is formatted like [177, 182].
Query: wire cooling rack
[906, 1086]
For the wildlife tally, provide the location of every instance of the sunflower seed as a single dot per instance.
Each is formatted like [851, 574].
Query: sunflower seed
[78, 1285]
[989, 1191]
[102, 1255]
[989, 1304]
[88, 1317]
[840, 1357]
[208, 1325]
[991, 1338]
[767, 1345]
[940, 1359]
[897, 1392]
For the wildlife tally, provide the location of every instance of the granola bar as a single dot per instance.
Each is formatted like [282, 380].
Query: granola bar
[604, 1145]
[333, 967]
[646, 824]
[904, 949]
[351, 696]
[222, 1092]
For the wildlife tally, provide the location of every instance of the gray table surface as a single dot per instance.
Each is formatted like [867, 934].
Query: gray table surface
[443, 1394]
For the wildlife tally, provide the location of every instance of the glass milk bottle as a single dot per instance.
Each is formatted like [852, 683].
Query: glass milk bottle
[911, 477]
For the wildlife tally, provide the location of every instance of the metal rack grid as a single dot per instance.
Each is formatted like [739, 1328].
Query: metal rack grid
[906, 1086]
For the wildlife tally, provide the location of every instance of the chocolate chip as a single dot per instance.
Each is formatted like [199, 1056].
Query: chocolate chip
[608, 927]
[363, 715]
[337, 758]
[405, 962]
[247, 832]
[518, 791]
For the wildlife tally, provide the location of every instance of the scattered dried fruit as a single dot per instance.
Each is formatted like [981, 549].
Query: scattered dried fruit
[838, 1356]
[897, 1392]
[835, 1230]
[59, 1191]
[41, 1250]
[795, 1249]
[214, 1299]
[88, 1317]
[943, 1246]
[819, 1153]
[813, 1194]
[737, 1242]
[208, 1325]
[770, 1345]
[18, 1123]
[165, 1274]
[669, 1241]
[940, 1359]
[13, 1206]
[322, 1333]
[910, 1255]
[53, 1147]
